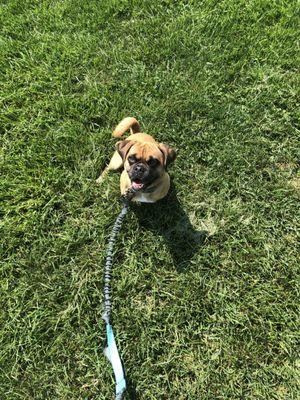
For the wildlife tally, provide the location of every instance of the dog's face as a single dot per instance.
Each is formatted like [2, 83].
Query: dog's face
[144, 162]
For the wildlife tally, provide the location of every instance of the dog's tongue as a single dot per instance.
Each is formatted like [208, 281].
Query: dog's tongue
[137, 185]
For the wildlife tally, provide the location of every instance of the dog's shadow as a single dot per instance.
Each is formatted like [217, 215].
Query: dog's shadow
[168, 219]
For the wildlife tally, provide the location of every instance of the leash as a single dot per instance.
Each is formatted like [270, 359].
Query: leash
[111, 350]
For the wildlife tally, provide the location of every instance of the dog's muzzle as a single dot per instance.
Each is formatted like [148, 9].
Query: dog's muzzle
[138, 175]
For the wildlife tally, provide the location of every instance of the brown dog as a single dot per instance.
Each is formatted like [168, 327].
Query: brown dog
[144, 161]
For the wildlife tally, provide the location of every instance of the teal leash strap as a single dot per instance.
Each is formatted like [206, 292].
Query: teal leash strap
[111, 350]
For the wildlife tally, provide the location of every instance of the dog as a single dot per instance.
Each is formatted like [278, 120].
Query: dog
[144, 160]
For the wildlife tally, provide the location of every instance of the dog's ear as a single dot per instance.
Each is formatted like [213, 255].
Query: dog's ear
[168, 152]
[123, 147]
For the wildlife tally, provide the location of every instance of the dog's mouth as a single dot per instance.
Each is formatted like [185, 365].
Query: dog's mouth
[137, 184]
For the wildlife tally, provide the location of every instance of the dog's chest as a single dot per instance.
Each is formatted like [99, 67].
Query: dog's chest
[143, 197]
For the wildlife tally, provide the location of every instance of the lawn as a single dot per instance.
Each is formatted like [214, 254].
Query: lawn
[206, 281]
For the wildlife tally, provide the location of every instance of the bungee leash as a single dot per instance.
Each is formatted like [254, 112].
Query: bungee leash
[111, 350]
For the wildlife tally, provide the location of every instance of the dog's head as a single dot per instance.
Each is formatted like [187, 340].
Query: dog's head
[144, 162]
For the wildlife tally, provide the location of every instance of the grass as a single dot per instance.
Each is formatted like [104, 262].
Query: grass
[206, 283]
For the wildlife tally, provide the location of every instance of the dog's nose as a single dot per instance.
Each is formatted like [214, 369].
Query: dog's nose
[138, 171]
[139, 168]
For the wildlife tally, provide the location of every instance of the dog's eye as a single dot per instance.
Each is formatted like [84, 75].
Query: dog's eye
[132, 159]
[152, 162]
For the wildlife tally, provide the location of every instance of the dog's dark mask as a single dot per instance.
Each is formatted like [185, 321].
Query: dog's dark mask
[144, 162]
[143, 172]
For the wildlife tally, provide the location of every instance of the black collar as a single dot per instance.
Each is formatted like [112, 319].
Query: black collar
[149, 189]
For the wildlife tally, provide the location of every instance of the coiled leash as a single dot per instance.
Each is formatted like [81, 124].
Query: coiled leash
[111, 350]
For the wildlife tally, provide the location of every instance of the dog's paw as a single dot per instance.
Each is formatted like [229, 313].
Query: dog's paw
[99, 180]
[102, 176]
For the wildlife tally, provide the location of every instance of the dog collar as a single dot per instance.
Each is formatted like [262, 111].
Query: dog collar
[149, 189]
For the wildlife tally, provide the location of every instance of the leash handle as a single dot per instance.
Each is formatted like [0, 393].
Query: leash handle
[111, 352]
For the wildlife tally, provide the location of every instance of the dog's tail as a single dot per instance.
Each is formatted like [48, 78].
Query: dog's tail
[123, 126]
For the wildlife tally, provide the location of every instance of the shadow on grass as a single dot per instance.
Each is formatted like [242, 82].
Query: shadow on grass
[168, 219]
[130, 391]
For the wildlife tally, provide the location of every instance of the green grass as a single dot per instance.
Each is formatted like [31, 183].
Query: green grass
[206, 283]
